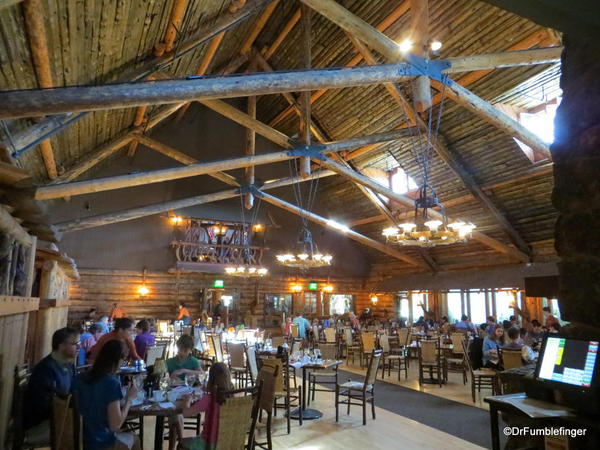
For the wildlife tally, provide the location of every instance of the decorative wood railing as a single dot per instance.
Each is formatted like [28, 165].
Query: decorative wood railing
[217, 253]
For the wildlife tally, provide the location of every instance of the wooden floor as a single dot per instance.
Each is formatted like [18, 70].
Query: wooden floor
[389, 430]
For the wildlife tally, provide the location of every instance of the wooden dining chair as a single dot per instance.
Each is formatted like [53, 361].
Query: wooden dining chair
[361, 393]
[266, 378]
[511, 358]
[323, 376]
[456, 361]
[352, 348]
[155, 352]
[430, 359]
[217, 347]
[251, 365]
[367, 346]
[65, 424]
[392, 359]
[277, 341]
[480, 378]
[289, 396]
[330, 335]
[295, 331]
[237, 364]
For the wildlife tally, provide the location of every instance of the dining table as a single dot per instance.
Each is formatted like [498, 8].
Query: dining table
[312, 364]
[158, 410]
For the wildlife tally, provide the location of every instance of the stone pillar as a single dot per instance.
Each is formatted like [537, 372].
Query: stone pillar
[576, 195]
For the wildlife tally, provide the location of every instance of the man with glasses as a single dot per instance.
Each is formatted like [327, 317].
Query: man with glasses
[52, 375]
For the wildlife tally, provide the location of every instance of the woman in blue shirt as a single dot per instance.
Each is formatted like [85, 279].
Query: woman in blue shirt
[491, 348]
[99, 395]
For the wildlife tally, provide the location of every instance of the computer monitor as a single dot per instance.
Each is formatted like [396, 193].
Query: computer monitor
[568, 364]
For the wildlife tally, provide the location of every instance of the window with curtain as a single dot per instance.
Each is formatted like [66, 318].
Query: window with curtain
[340, 303]
[454, 302]
[477, 306]
[310, 302]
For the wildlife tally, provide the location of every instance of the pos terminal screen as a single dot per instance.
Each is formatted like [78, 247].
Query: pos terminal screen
[568, 361]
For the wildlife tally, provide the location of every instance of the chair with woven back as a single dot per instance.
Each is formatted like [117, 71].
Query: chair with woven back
[352, 348]
[362, 392]
[295, 331]
[456, 361]
[237, 364]
[251, 365]
[323, 376]
[391, 358]
[267, 377]
[315, 335]
[65, 424]
[430, 359]
[511, 358]
[235, 425]
[367, 346]
[330, 335]
[480, 378]
[217, 347]
[153, 353]
[291, 396]
[277, 341]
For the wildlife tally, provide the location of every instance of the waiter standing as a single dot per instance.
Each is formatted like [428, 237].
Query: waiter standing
[184, 314]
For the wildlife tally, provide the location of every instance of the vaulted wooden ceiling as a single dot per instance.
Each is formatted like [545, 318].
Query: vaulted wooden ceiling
[100, 42]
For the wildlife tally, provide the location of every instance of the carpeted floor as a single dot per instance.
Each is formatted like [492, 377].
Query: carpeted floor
[466, 422]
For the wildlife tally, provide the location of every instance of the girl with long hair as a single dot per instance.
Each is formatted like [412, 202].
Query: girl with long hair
[217, 386]
[491, 347]
[99, 395]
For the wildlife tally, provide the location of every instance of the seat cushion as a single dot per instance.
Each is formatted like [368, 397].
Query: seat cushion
[455, 360]
[484, 373]
[354, 385]
[324, 373]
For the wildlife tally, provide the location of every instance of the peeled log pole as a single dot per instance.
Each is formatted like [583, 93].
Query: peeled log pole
[150, 210]
[10, 226]
[350, 233]
[136, 179]
[410, 203]
[306, 117]
[250, 150]
[35, 102]
[419, 34]
[505, 59]
[388, 48]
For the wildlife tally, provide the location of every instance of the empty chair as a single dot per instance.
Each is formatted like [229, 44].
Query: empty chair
[368, 345]
[252, 365]
[330, 335]
[456, 362]
[237, 364]
[361, 393]
[352, 348]
[391, 358]
[283, 389]
[153, 353]
[323, 376]
[266, 379]
[480, 378]
[217, 347]
[430, 359]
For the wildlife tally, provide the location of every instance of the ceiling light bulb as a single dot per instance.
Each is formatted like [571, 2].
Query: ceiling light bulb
[407, 227]
[406, 45]
[433, 225]
[143, 290]
[457, 225]
[436, 45]
[263, 271]
[303, 256]
[251, 269]
[390, 231]
[229, 269]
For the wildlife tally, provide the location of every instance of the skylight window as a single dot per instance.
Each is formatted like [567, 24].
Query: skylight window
[540, 121]
[402, 182]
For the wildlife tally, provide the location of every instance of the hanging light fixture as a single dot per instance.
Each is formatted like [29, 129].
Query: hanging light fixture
[425, 231]
[428, 228]
[306, 254]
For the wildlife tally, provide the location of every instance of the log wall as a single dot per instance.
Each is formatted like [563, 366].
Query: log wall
[100, 288]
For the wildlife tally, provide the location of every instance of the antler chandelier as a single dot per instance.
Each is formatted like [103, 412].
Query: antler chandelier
[246, 271]
[306, 254]
[425, 231]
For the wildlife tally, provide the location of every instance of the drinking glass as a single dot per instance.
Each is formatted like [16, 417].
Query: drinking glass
[190, 379]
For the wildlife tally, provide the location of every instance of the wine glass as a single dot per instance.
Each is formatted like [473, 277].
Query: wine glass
[190, 379]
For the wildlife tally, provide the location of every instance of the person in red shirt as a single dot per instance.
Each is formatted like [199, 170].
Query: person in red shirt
[122, 332]
[116, 312]
[549, 319]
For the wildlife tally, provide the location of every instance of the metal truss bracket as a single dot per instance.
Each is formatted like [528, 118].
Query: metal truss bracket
[312, 151]
[433, 68]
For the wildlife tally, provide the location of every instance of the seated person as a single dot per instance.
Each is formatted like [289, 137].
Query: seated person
[92, 339]
[534, 334]
[122, 332]
[99, 395]
[512, 341]
[465, 324]
[491, 348]
[103, 324]
[554, 328]
[144, 339]
[219, 381]
[549, 319]
[52, 375]
[184, 363]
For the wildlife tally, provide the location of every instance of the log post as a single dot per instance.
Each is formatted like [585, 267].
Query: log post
[305, 120]
[250, 150]
[576, 193]
[419, 36]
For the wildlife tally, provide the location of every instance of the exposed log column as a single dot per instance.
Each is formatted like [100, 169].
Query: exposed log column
[33, 11]
[305, 120]
[250, 150]
[419, 35]
[576, 195]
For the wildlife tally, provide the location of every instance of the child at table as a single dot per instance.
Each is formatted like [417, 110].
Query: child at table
[219, 382]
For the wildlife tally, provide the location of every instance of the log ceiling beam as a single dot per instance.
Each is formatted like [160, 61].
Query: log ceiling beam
[547, 55]
[258, 27]
[410, 203]
[150, 210]
[389, 49]
[121, 181]
[31, 136]
[419, 35]
[181, 157]
[33, 12]
[451, 160]
[542, 170]
[392, 18]
[348, 233]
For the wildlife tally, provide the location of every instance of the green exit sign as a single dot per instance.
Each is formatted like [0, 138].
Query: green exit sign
[219, 284]
[313, 286]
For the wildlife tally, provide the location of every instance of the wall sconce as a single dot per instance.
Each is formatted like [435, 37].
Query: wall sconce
[374, 299]
[219, 229]
[328, 288]
[176, 220]
[258, 227]
[142, 289]
[296, 287]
